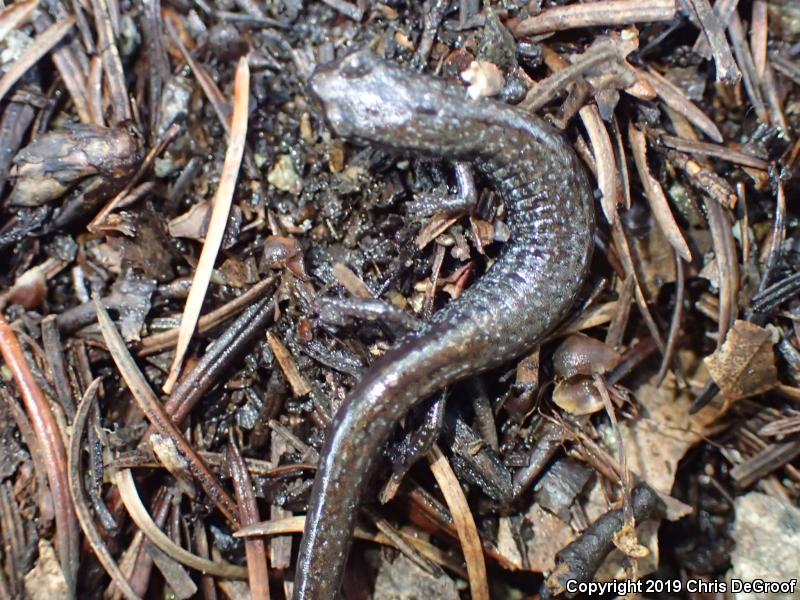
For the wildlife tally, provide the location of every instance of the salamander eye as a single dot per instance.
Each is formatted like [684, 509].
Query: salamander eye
[427, 107]
[356, 65]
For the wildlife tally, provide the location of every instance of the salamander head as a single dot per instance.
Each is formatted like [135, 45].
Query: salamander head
[372, 101]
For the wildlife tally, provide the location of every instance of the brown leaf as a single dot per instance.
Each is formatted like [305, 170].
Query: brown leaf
[552, 534]
[192, 224]
[745, 364]
[655, 442]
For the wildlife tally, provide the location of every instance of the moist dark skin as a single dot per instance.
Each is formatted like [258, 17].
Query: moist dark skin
[504, 314]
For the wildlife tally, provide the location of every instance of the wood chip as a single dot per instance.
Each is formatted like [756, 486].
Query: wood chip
[300, 386]
[437, 225]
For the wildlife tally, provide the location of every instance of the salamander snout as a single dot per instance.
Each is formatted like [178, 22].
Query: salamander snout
[361, 101]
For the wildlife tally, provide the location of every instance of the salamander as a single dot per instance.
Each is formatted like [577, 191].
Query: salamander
[531, 287]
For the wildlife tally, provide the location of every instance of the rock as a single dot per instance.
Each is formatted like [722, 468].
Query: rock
[767, 535]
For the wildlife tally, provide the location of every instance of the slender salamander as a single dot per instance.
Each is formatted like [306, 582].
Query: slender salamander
[521, 297]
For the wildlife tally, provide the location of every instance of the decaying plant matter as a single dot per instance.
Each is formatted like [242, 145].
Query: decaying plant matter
[195, 271]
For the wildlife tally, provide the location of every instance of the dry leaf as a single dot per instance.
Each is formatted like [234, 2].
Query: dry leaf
[551, 535]
[655, 442]
[745, 364]
[192, 224]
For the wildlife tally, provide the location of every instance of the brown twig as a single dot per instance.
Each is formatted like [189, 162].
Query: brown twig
[162, 340]
[719, 221]
[774, 100]
[299, 384]
[675, 322]
[296, 524]
[69, 68]
[79, 496]
[758, 36]
[255, 550]
[112, 65]
[723, 9]
[54, 352]
[156, 414]
[43, 496]
[607, 179]
[703, 179]
[748, 70]
[727, 71]
[140, 516]
[49, 437]
[94, 91]
[674, 97]
[593, 14]
[208, 369]
[544, 91]
[580, 559]
[716, 150]
[16, 14]
[43, 43]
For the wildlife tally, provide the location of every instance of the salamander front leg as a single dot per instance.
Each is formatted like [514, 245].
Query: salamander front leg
[430, 203]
